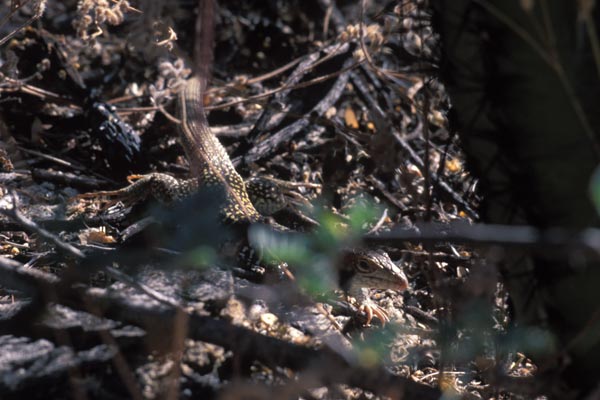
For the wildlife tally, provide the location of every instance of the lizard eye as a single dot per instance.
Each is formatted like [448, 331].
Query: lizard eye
[363, 266]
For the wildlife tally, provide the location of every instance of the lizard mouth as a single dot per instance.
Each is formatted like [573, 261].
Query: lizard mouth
[382, 283]
[397, 282]
[400, 286]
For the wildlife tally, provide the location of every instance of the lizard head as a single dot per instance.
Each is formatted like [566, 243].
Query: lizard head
[370, 269]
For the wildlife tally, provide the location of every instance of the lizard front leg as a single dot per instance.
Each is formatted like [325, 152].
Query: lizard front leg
[162, 187]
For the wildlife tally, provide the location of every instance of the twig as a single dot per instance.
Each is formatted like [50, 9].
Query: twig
[48, 157]
[39, 7]
[267, 146]
[436, 179]
[558, 241]
[16, 215]
[269, 93]
[67, 179]
[426, 160]
[379, 185]
[122, 277]
[379, 223]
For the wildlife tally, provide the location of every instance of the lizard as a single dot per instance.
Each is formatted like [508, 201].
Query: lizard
[358, 269]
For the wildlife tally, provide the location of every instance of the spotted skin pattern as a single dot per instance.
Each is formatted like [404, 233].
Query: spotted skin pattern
[358, 269]
[208, 158]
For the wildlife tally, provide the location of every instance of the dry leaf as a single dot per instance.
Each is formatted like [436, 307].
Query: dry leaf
[96, 235]
[350, 118]
[371, 127]
[453, 165]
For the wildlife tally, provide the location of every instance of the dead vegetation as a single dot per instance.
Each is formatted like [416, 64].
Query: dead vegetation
[339, 99]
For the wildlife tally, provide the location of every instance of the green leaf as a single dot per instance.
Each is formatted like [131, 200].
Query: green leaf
[595, 189]
[202, 256]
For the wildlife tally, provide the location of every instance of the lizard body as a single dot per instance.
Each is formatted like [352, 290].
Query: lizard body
[358, 269]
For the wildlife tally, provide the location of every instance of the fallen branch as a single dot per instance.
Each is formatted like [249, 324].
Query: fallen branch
[248, 345]
[558, 241]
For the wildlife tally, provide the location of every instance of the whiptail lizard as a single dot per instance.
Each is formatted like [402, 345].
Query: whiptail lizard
[358, 269]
